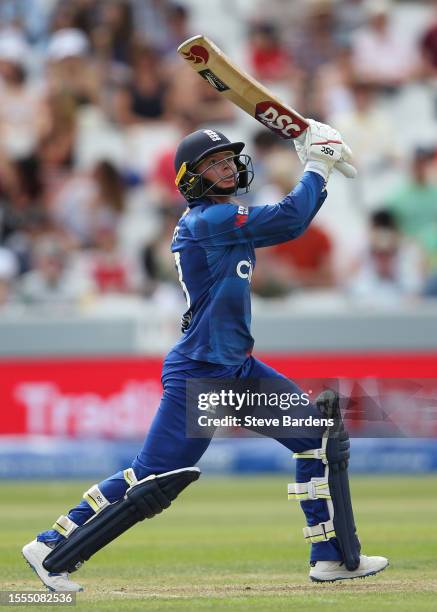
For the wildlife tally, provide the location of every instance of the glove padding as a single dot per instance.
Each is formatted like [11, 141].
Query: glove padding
[321, 147]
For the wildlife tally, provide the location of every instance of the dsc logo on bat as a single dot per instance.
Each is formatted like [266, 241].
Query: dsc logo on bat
[278, 119]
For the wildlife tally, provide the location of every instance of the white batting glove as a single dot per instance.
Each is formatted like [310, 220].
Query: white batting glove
[320, 148]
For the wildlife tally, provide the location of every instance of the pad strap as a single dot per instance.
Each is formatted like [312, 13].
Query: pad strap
[313, 453]
[316, 488]
[95, 498]
[64, 525]
[130, 477]
[319, 533]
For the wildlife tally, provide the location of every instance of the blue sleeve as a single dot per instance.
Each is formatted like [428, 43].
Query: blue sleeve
[227, 224]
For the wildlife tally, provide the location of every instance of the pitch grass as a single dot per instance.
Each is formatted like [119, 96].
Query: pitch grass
[236, 544]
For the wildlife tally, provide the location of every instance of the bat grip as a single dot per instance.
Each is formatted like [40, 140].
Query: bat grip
[346, 169]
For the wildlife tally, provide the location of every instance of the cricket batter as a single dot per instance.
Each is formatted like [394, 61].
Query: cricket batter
[214, 247]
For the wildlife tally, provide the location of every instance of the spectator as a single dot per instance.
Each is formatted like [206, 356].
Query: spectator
[69, 69]
[109, 201]
[178, 26]
[113, 33]
[415, 204]
[162, 190]
[314, 43]
[428, 47]
[21, 110]
[304, 263]
[67, 15]
[314, 49]
[144, 97]
[267, 146]
[162, 23]
[21, 194]
[8, 271]
[368, 130]
[84, 201]
[188, 93]
[34, 17]
[35, 225]
[350, 15]
[55, 150]
[53, 281]
[382, 56]
[268, 57]
[109, 269]
[391, 269]
[280, 169]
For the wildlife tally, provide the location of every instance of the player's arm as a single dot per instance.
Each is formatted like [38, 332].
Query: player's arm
[299, 199]
[227, 224]
[319, 149]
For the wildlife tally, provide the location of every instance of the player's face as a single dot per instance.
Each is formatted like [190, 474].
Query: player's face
[219, 168]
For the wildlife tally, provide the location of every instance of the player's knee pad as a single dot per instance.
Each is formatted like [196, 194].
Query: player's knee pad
[143, 499]
[333, 486]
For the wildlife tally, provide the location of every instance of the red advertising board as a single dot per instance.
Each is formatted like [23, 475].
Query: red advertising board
[117, 397]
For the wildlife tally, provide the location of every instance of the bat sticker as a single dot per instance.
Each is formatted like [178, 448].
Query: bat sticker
[213, 80]
[279, 119]
[197, 54]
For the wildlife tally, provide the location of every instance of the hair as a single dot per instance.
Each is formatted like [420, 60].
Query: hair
[384, 218]
[28, 174]
[265, 140]
[110, 184]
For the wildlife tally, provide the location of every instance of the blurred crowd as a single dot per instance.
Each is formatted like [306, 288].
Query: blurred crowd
[94, 99]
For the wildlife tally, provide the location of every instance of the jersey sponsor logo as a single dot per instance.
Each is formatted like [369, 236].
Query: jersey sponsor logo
[245, 269]
[279, 119]
[197, 54]
[242, 216]
[213, 135]
[213, 80]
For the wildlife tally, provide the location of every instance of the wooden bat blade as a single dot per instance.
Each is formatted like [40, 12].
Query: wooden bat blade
[240, 88]
[246, 92]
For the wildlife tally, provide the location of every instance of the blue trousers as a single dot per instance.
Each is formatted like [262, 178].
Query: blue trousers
[167, 447]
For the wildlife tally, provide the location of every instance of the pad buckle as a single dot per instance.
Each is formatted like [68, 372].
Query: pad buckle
[319, 533]
[316, 488]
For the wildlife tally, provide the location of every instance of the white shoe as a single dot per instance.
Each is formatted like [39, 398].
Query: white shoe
[330, 571]
[35, 552]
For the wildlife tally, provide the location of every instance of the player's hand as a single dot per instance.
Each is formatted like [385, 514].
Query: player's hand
[321, 148]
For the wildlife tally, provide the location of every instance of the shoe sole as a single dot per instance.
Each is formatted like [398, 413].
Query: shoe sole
[314, 579]
[32, 567]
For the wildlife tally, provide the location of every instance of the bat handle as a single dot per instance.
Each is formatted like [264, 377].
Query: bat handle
[346, 169]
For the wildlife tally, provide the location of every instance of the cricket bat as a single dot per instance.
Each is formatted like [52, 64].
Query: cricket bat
[246, 92]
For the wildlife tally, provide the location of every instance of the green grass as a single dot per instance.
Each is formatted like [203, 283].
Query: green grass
[236, 544]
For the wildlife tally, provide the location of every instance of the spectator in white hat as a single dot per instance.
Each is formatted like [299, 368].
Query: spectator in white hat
[69, 66]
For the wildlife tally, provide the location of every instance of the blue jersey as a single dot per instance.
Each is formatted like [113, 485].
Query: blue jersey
[214, 246]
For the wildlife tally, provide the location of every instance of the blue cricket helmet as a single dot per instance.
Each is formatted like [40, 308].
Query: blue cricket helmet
[195, 147]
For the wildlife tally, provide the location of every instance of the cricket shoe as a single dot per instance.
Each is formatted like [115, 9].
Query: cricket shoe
[331, 571]
[35, 552]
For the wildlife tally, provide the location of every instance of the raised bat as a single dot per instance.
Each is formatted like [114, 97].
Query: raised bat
[246, 92]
